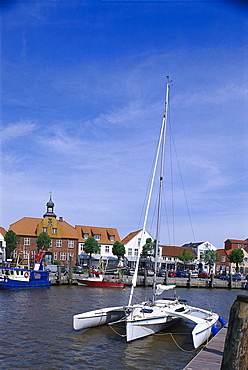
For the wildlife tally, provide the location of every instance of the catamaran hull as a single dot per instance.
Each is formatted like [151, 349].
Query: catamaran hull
[144, 328]
[201, 333]
[97, 317]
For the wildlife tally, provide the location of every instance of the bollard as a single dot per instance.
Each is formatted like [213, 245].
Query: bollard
[235, 355]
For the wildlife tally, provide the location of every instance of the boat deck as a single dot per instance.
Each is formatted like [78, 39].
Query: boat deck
[210, 357]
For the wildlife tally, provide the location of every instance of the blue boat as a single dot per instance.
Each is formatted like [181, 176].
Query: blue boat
[19, 277]
[23, 278]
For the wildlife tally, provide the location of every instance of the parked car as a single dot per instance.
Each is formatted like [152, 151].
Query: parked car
[222, 277]
[194, 274]
[161, 273]
[203, 275]
[129, 272]
[181, 274]
[236, 277]
[172, 274]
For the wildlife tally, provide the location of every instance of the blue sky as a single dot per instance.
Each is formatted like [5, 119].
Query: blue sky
[82, 98]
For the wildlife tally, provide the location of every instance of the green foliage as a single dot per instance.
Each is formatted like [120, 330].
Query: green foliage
[186, 256]
[91, 246]
[43, 239]
[148, 247]
[210, 257]
[58, 263]
[236, 256]
[118, 249]
[11, 239]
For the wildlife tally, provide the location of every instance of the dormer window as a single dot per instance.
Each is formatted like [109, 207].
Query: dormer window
[85, 235]
[97, 236]
[112, 238]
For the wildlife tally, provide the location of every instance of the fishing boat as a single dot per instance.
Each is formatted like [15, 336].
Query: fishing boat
[98, 279]
[21, 277]
[149, 317]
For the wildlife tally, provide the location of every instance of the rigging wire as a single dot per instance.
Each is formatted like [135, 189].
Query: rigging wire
[183, 187]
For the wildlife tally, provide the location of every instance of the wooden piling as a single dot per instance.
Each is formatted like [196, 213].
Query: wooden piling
[59, 275]
[70, 271]
[235, 356]
[211, 282]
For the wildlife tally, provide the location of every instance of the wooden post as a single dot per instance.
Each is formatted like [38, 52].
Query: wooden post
[70, 270]
[145, 282]
[230, 284]
[166, 277]
[235, 356]
[189, 280]
[211, 282]
[59, 275]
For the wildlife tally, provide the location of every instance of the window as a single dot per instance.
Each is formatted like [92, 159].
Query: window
[26, 254]
[85, 235]
[59, 243]
[136, 252]
[55, 256]
[70, 255]
[26, 241]
[15, 254]
[54, 230]
[129, 252]
[62, 256]
[223, 259]
[106, 248]
[112, 238]
[97, 236]
[70, 243]
[44, 229]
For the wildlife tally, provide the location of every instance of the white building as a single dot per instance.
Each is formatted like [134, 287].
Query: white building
[132, 243]
[2, 245]
[199, 249]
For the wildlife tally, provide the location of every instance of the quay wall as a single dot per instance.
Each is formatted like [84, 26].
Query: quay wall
[179, 282]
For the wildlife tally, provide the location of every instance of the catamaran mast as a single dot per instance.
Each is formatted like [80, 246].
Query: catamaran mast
[161, 139]
[161, 179]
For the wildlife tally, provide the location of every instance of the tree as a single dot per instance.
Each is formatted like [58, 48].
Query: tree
[43, 239]
[11, 239]
[148, 248]
[210, 257]
[236, 256]
[186, 256]
[91, 246]
[118, 250]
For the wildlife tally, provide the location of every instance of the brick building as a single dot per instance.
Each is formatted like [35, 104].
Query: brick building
[64, 237]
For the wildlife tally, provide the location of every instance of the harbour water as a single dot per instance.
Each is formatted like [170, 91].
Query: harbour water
[36, 330]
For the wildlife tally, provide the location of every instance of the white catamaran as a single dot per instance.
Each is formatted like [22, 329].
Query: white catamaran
[146, 318]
